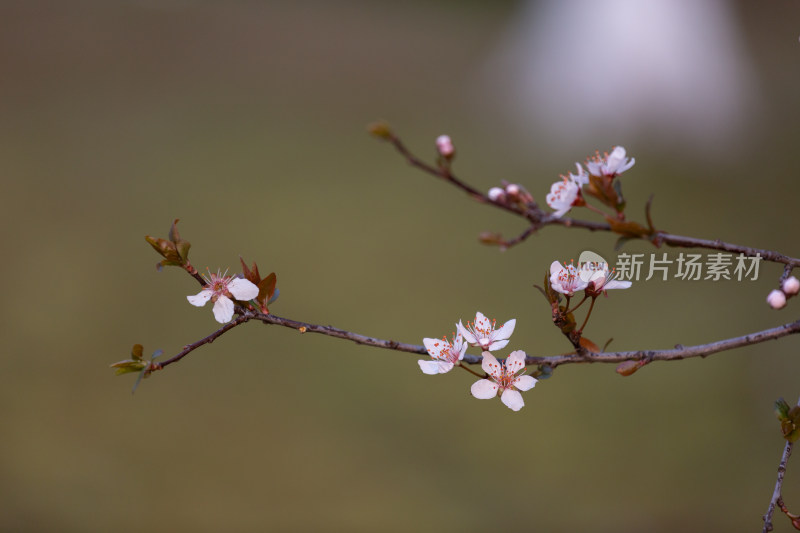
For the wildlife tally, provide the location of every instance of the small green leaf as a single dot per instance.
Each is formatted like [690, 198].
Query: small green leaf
[182, 247]
[128, 365]
[781, 409]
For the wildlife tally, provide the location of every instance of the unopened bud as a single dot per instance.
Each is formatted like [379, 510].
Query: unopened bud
[513, 189]
[791, 286]
[380, 129]
[496, 194]
[445, 146]
[776, 299]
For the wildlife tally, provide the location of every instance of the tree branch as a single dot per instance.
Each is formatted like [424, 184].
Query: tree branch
[189, 348]
[647, 356]
[539, 218]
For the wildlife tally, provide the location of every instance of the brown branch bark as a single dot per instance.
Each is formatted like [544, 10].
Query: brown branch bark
[678, 353]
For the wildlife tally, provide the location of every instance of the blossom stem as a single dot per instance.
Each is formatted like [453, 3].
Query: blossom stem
[468, 369]
[597, 210]
[588, 314]
[577, 306]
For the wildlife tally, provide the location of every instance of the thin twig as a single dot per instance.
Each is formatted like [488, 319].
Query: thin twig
[205, 340]
[776, 493]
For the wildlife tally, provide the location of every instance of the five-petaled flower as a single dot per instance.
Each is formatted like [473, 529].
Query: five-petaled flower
[446, 354]
[504, 378]
[482, 332]
[599, 279]
[566, 193]
[566, 279]
[609, 165]
[220, 289]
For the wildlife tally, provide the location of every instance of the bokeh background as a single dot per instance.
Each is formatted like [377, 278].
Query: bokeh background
[246, 120]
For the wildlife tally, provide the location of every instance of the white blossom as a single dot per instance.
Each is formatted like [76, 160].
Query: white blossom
[445, 354]
[482, 332]
[220, 289]
[610, 165]
[504, 379]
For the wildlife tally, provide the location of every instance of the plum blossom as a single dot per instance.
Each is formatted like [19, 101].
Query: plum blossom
[503, 378]
[567, 193]
[609, 165]
[599, 279]
[562, 196]
[566, 279]
[482, 332]
[220, 289]
[446, 354]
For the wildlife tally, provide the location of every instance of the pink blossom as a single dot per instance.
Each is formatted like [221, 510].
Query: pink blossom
[446, 355]
[609, 165]
[504, 378]
[482, 332]
[600, 279]
[566, 279]
[220, 289]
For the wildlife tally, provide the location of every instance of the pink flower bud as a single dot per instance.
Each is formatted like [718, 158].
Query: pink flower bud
[776, 299]
[496, 194]
[513, 189]
[445, 146]
[791, 286]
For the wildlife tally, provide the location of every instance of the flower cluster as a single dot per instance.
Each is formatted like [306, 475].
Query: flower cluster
[568, 192]
[594, 278]
[502, 377]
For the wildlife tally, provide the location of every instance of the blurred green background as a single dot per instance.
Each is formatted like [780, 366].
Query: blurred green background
[246, 120]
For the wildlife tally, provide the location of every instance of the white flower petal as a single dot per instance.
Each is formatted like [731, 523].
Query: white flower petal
[469, 337]
[581, 178]
[434, 347]
[484, 389]
[525, 382]
[223, 310]
[615, 159]
[512, 399]
[555, 269]
[490, 364]
[242, 289]
[506, 331]
[429, 367]
[617, 284]
[496, 345]
[445, 367]
[460, 347]
[481, 322]
[515, 362]
[200, 298]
